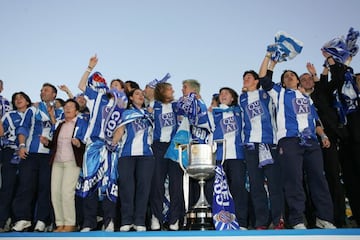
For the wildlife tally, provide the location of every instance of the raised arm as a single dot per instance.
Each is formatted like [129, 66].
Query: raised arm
[266, 72]
[337, 70]
[312, 70]
[322, 83]
[92, 63]
[65, 89]
[264, 65]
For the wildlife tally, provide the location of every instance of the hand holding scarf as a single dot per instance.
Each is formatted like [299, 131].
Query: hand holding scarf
[97, 82]
[342, 48]
[285, 48]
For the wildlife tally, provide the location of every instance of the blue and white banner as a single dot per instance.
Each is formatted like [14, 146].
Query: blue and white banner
[223, 205]
[99, 172]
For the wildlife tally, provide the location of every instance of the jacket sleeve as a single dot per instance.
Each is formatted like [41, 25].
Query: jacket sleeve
[266, 82]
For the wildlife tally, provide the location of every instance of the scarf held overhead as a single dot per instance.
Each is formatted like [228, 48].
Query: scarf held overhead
[285, 47]
[342, 48]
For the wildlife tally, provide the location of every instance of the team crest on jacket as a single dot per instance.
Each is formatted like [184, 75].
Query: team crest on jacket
[264, 95]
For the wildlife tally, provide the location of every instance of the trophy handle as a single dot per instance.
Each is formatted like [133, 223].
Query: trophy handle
[223, 141]
[180, 149]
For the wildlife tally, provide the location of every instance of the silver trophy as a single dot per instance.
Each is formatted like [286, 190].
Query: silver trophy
[202, 163]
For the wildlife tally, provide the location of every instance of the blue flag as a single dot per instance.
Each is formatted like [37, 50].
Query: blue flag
[182, 136]
[223, 205]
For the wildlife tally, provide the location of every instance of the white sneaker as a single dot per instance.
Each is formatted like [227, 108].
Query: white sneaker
[155, 224]
[126, 228]
[175, 226]
[110, 227]
[140, 228]
[21, 225]
[40, 226]
[85, 229]
[299, 226]
[324, 224]
[243, 228]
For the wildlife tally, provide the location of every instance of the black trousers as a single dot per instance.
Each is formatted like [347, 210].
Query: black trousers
[350, 163]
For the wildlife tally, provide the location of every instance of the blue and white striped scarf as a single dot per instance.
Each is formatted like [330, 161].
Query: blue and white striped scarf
[347, 101]
[265, 156]
[223, 204]
[337, 48]
[342, 48]
[112, 116]
[350, 41]
[134, 113]
[285, 48]
[187, 106]
[5, 106]
[304, 137]
[154, 82]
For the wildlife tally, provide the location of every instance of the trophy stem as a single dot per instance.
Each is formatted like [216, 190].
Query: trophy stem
[202, 202]
[200, 216]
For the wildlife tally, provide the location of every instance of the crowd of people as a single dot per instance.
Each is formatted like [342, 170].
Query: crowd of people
[99, 159]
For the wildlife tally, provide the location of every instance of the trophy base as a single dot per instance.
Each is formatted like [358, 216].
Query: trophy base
[199, 219]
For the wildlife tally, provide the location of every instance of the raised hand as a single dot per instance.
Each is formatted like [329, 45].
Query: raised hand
[311, 69]
[93, 61]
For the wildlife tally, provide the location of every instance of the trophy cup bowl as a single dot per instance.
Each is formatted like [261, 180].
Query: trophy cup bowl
[202, 163]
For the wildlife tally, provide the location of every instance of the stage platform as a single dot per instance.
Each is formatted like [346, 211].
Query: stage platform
[309, 234]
